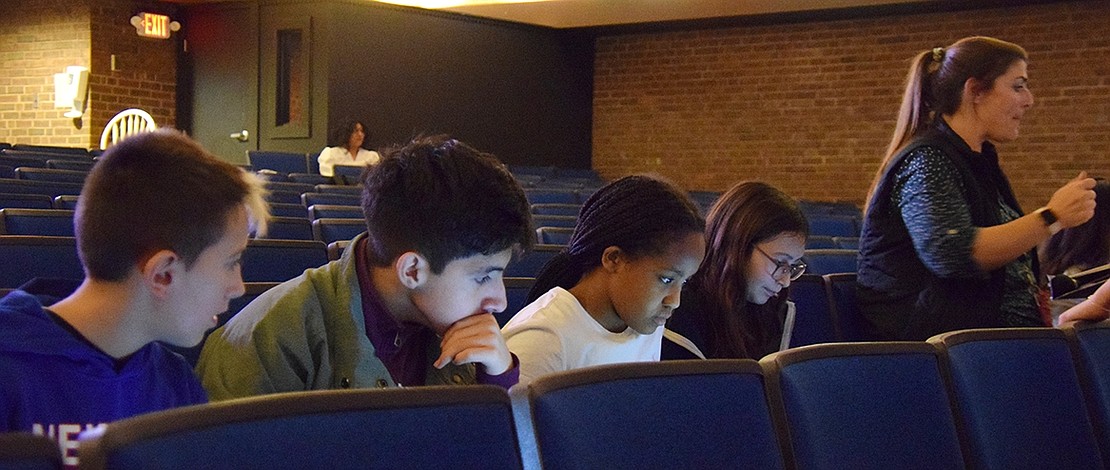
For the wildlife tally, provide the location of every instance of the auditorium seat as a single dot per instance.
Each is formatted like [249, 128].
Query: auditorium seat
[347, 174]
[281, 162]
[834, 225]
[49, 188]
[281, 260]
[290, 187]
[336, 249]
[279, 209]
[820, 242]
[850, 322]
[26, 451]
[52, 149]
[814, 320]
[331, 211]
[554, 221]
[6, 172]
[556, 209]
[417, 427]
[329, 230]
[65, 201]
[285, 197]
[50, 222]
[51, 174]
[554, 235]
[846, 243]
[529, 264]
[831, 261]
[338, 188]
[62, 164]
[23, 258]
[1091, 342]
[551, 196]
[336, 199]
[670, 414]
[864, 406]
[310, 178]
[1018, 396]
[25, 201]
[704, 199]
[289, 228]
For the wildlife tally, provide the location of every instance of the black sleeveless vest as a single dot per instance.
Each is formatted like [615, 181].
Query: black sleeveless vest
[897, 293]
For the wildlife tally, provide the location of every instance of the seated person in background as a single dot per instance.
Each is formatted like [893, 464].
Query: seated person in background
[409, 303]
[1079, 248]
[161, 253]
[345, 148]
[606, 296]
[735, 305]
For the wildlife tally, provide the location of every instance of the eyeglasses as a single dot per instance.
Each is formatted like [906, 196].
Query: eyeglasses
[795, 270]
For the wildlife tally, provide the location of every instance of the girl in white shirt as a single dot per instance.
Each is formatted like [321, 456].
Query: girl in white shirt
[345, 148]
[605, 298]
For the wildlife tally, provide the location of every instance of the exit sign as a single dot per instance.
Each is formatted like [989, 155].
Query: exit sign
[153, 25]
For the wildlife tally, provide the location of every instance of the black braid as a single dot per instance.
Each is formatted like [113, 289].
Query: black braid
[642, 215]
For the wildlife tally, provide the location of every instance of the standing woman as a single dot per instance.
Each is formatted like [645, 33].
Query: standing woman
[945, 245]
[735, 305]
[345, 148]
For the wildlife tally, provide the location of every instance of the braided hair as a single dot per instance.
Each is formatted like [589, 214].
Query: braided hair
[642, 215]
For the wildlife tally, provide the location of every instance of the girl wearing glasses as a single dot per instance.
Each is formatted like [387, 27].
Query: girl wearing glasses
[735, 305]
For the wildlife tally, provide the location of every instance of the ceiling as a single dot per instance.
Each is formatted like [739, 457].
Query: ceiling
[593, 13]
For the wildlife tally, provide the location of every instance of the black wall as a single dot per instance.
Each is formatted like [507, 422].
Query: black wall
[522, 93]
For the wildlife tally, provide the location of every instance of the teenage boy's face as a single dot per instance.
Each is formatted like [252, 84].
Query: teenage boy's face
[203, 291]
[467, 286]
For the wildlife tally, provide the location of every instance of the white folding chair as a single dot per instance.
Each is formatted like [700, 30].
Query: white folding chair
[128, 122]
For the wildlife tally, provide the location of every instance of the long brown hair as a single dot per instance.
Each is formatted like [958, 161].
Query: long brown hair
[749, 213]
[935, 83]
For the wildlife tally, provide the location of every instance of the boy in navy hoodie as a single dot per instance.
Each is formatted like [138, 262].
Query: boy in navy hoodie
[160, 225]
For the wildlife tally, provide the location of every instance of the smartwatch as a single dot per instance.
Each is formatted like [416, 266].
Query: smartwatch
[1050, 220]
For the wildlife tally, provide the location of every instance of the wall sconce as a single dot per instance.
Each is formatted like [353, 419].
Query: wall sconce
[70, 89]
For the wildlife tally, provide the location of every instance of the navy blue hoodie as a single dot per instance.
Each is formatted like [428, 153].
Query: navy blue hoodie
[55, 384]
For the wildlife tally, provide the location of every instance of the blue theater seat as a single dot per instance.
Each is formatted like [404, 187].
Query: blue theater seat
[530, 263]
[334, 199]
[49, 188]
[289, 228]
[671, 414]
[281, 162]
[331, 211]
[1091, 342]
[820, 242]
[554, 235]
[25, 201]
[338, 188]
[51, 174]
[850, 322]
[284, 197]
[289, 187]
[554, 221]
[280, 209]
[23, 258]
[281, 260]
[348, 174]
[70, 165]
[814, 320]
[846, 243]
[864, 406]
[831, 261]
[1019, 399]
[571, 210]
[51, 222]
[332, 230]
[834, 225]
[65, 201]
[417, 427]
[551, 196]
[310, 178]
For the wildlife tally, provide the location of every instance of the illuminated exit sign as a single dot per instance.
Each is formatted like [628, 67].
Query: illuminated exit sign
[153, 25]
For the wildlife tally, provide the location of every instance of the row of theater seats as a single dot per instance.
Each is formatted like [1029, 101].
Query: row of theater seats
[983, 399]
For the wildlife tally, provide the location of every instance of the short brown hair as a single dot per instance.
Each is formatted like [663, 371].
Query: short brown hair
[156, 191]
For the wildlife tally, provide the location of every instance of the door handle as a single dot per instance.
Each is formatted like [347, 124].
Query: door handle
[241, 136]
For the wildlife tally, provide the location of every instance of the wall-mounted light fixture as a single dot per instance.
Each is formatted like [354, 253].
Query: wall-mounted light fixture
[70, 89]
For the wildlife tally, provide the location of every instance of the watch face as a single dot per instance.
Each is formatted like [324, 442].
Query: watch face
[1048, 217]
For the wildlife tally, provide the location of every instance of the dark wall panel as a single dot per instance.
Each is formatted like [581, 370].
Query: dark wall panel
[522, 93]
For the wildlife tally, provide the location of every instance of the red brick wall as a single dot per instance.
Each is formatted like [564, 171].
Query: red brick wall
[810, 106]
[41, 37]
[38, 39]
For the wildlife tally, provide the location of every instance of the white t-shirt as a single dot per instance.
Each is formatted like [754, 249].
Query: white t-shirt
[554, 333]
[332, 156]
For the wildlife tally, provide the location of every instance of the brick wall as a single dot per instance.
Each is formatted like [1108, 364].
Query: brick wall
[810, 106]
[41, 37]
[38, 39]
